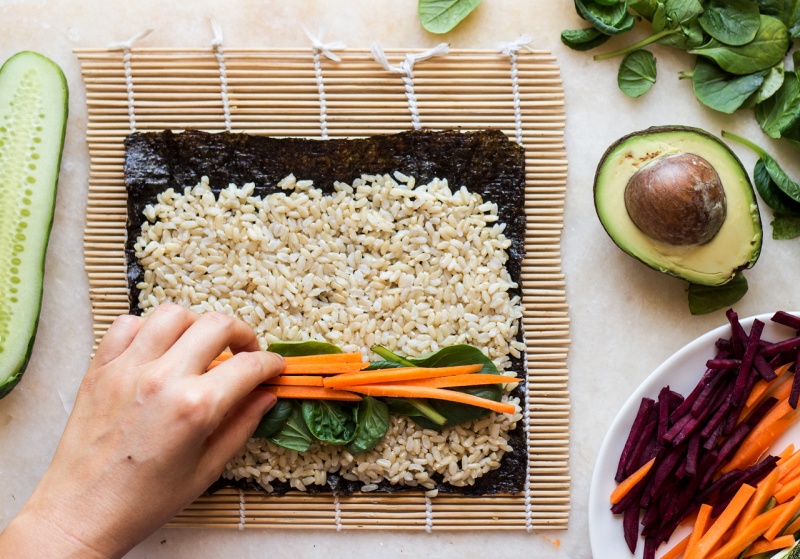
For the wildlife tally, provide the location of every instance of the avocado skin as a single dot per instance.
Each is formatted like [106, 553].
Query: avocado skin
[647, 250]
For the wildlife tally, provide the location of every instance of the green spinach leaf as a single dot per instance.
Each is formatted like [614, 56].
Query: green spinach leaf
[330, 421]
[372, 424]
[720, 90]
[704, 299]
[294, 435]
[419, 410]
[637, 73]
[441, 16]
[645, 8]
[610, 20]
[296, 349]
[786, 226]
[782, 109]
[788, 11]
[274, 420]
[771, 193]
[583, 39]
[766, 50]
[733, 22]
[773, 80]
[776, 173]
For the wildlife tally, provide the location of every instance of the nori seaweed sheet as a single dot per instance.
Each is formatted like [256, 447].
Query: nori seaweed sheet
[486, 162]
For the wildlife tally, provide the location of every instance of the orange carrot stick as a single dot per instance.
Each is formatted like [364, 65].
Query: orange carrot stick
[630, 482]
[355, 357]
[295, 380]
[400, 373]
[310, 393]
[708, 543]
[792, 528]
[700, 527]
[400, 391]
[764, 491]
[788, 491]
[786, 455]
[762, 546]
[473, 379]
[774, 423]
[323, 368]
[763, 387]
[790, 475]
[678, 550]
[741, 540]
[783, 520]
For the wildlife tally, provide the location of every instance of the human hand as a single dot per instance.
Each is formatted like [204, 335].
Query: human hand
[149, 432]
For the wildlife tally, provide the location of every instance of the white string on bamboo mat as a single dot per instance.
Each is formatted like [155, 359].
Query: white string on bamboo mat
[216, 44]
[323, 48]
[510, 50]
[428, 514]
[125, 47]
[241, 509]
[337, 512]
[406, 70]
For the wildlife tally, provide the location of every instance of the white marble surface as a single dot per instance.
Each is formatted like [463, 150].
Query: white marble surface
[625, 318]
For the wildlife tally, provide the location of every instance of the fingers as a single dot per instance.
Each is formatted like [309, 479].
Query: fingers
[236, 427]
[161, 330]
[117, 339]
[208, 337]
[240, 375]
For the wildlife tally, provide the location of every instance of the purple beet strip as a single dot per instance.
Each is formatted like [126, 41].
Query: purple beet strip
[795, 393]
[747, 362]
[630, 527]
[633, 437]
[786, 319]
[723, 363]
[646, 442]
[780, 347]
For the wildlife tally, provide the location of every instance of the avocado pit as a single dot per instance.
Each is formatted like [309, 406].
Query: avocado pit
[677, 199]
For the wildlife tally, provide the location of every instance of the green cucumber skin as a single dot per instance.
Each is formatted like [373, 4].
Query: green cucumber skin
[11, 377]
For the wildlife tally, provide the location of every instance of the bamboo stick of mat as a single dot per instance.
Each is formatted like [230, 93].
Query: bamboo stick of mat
[275, 92]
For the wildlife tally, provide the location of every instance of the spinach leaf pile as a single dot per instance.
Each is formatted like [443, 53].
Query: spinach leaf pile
[360, 426]
[740, 46]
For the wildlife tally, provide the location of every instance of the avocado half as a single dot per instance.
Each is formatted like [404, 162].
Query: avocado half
[689, 227]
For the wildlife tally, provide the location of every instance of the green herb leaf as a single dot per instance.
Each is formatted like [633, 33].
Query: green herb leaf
[610, 20]
[274, 420]
[721, 90]
[776, 173]
[786, 226]
[583, 39]
[372, 424]
[441, 16]
[295, 434]
[681, 12]
[704, 299]
[770, 192]
[296, 349]
[782, 109]
[733, 22]
[330, 421]
[637, 73]
[766, 50]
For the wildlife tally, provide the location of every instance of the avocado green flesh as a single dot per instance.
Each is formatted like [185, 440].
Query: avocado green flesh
[33, 110]
[737, 244]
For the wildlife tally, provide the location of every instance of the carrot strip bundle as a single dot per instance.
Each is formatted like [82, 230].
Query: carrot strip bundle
[400, 391]
[771, 426]
[763, 387]
[788, 491]
[297, 380]
[396, 374]
[316, 359]
[720, 527]
[784, 457]
[454, 381]
[762, 546]
[741, 540]
[630, 482]
[311, 393]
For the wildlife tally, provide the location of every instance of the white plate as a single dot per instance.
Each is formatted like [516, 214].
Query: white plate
[682, 372]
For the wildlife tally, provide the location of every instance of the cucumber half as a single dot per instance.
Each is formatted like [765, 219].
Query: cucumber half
[33, 118]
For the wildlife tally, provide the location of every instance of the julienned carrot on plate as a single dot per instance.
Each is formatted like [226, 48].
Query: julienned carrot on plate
[708, 453]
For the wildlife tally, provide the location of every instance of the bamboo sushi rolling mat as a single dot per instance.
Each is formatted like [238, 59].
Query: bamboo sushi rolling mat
[305, 93]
